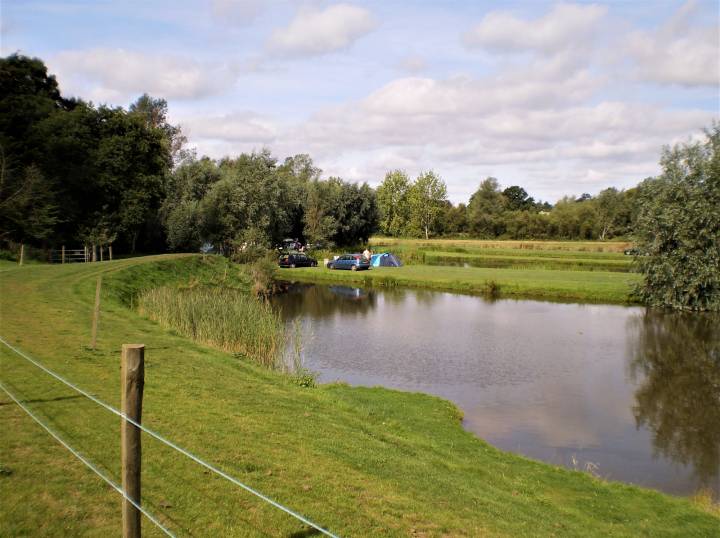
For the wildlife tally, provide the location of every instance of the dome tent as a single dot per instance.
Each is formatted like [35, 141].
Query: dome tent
[385, 259]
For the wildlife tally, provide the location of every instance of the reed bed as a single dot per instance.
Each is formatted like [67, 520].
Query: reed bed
[224, 318]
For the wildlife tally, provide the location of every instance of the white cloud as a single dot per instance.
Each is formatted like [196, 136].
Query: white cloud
[238, 127]
[678, 52]
[564, 27]
[315, 32]
[116, 75]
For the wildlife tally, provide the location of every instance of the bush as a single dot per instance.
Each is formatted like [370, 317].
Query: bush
[678, 228]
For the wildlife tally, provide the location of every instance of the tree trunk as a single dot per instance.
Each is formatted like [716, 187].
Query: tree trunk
[94, 253]
[427, 235]
[22, 253]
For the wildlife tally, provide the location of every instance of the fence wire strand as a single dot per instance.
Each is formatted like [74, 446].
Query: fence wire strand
[87, 462]
[169, 443]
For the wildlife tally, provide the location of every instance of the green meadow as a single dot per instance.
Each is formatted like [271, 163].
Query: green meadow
[358, 461]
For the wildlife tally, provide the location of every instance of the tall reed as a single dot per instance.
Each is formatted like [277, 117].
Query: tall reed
[224, 318]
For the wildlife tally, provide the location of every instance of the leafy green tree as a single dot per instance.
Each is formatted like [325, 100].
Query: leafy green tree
[188, 184]
[678, 228]
[426, 197]
[517, 198]
[393, 204]
[319, 224]
[154, 112]
[609, 206]
[246, 204]
[27, 207]
[485, 209]
[28, 95]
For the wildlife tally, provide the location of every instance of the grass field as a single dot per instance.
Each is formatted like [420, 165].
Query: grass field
[361, 461]
[617, 247]
[588, 286]
[561, 255]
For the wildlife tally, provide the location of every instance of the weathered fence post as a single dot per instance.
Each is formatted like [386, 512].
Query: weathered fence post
[22, 253]
[96, 313]
[63, 254]
[133, 381]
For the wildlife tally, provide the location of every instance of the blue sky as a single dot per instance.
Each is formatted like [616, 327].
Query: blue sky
[560, 98]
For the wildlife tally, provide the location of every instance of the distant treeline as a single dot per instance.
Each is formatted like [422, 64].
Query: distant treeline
[76, 173]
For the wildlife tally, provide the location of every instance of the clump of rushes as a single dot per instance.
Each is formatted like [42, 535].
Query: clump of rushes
[262, 273]
[227, 319]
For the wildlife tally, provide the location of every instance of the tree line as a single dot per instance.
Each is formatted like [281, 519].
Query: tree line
[75, 172]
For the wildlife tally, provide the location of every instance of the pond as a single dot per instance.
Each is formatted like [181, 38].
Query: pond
[621, 392]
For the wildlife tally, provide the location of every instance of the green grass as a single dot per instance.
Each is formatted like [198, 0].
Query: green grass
[588, 286]
[361, 461]
[479, 244]
[508, 259]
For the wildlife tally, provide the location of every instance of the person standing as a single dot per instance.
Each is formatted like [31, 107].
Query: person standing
[367, 253]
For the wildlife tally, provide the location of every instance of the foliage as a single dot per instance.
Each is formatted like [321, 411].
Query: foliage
[426, 198]
[678, 228]
[393, 203]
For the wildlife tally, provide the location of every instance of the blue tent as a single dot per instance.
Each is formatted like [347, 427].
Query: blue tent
[385, 259]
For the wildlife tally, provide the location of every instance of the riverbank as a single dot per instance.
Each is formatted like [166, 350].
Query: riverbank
[359, 461]
[560, 285]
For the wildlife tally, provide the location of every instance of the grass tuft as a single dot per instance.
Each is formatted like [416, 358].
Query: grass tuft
[227, 319]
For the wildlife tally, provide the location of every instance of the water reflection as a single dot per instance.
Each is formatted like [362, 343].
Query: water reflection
[633, 394]
[320, 302]
[676, 361]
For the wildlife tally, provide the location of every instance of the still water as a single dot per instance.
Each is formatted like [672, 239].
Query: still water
[622, 392]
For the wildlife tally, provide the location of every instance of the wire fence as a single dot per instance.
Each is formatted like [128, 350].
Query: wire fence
[152, 434]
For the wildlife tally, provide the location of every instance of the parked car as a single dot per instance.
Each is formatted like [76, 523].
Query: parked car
[353, 262]
[297, 260]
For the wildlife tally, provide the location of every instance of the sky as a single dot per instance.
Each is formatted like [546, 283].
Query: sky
[559, 98]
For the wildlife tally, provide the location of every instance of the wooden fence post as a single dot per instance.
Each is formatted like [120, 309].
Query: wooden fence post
[133, 381]
[63, 254]
[96, 313]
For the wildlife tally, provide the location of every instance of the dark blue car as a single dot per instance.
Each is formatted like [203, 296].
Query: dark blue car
[353, 262]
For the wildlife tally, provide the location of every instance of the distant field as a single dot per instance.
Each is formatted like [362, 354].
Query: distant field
[590, 286]
[474, 244]
[533, 259]
[560, 255]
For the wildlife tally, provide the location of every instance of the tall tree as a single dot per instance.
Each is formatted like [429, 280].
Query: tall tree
[393, 203]
[517, 198]
[154, 112]
[426, 197]
[678, 228]
[485, 209]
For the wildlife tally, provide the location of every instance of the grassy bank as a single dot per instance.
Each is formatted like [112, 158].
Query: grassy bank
[363, 462]
[589, 286]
